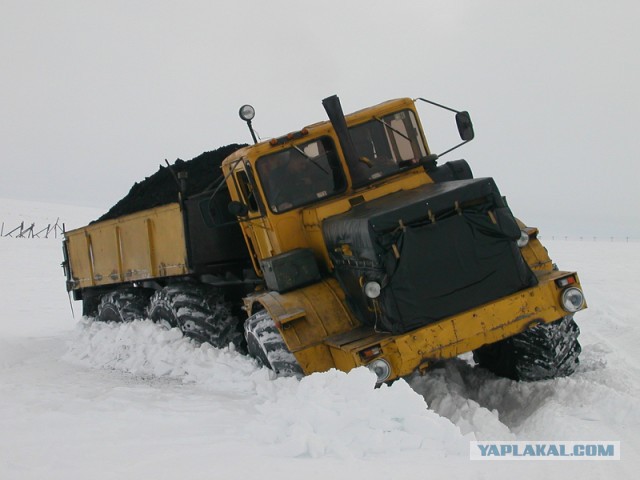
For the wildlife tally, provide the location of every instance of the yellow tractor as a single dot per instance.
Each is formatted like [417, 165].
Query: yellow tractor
[339, 245]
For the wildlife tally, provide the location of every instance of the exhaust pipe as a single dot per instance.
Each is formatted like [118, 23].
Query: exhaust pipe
[336, 117]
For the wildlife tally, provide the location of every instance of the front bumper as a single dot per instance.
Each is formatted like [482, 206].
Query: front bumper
[454, 335]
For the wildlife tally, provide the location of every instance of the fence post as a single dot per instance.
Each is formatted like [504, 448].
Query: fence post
[55, 228]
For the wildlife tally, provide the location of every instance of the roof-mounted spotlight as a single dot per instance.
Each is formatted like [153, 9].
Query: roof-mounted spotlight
[247, 112]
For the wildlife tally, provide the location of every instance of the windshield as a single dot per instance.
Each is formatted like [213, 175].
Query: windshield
[301, 175]
[384, 145]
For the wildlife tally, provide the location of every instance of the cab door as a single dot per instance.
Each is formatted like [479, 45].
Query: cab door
[256, 228]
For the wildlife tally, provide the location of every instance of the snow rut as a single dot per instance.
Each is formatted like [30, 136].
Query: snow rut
[570, 408]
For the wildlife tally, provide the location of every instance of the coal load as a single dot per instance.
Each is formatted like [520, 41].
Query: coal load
[161, 188]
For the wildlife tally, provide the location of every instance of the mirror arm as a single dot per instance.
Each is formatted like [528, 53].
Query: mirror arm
[453, 148]
[437, 104]
[465, 128]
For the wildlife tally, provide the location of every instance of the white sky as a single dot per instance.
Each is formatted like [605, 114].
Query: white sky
[95, 95]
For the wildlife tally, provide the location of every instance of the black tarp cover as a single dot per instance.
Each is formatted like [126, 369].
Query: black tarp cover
[437, 250]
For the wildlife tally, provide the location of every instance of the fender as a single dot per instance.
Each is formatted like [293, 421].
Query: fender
[305, 318]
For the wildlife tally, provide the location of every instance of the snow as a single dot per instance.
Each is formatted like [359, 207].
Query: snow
[81, 399]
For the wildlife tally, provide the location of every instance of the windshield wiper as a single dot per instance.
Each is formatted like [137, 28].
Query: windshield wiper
[394, 129]
[311, 159]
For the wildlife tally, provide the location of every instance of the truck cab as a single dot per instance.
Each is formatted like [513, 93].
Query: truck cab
[291, 184]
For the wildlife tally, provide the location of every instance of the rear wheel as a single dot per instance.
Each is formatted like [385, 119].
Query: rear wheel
[199, 311]
[543, 352]
[123, 305]
[267, 346]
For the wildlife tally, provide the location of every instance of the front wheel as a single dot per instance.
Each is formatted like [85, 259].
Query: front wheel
[546, 351]
[267, 346]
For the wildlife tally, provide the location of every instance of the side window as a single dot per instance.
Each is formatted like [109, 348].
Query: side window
[404, 137]
[247, 191]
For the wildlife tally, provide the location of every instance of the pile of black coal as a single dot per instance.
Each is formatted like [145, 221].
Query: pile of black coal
[161, 188]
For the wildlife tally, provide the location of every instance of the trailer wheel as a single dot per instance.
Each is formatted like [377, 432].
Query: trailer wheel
[543, 352]
[90, 303]
[160, 310]
[123, 305]
[267, 346]
[199, 311]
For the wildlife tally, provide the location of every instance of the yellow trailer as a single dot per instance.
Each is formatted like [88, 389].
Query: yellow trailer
[136, 247]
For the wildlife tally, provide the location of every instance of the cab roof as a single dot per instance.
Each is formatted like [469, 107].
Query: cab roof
[323, 127]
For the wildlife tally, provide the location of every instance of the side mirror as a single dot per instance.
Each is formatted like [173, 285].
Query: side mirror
[238, 209]
[465, 127]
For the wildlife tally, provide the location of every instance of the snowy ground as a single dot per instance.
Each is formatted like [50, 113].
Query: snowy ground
[86, 400]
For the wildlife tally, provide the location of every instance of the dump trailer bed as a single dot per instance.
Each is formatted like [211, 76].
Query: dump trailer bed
[141, 246]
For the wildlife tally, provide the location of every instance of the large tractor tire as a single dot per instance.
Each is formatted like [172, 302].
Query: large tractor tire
[123, 305]
[199, 311]
[540, 353]
[267, 346]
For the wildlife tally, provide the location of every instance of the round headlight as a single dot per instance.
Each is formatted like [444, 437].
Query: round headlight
[523, 240]
[247, 112]
[381, 368]
[372, 289]
[572, 299]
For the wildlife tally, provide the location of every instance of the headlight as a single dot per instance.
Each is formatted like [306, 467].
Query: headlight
[523, 240]
[572, 299]
[381, 368]
[372, 289]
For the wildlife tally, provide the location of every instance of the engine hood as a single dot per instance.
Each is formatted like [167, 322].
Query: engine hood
[436, 250]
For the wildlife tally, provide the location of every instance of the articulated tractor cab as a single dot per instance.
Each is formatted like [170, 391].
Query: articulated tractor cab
[370, 253]
[340, 245]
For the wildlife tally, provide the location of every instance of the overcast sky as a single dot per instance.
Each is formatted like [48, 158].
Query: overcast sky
[95, 95]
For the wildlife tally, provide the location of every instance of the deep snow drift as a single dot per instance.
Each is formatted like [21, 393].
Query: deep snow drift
[80, 399]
